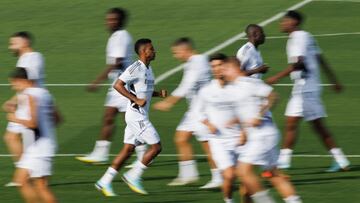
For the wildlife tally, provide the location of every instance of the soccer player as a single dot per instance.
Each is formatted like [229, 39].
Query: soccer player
[118, 58]
[34, 166]
[216, 107]
[260, 148]
[196, 75]
[249, 55]
[139, 80]
[20, 44]
[304, 58]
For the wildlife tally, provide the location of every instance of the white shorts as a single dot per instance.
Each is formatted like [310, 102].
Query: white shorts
[307, 105]
[140, 132]
[191, 123]
[37, 166]
[116, 100]
[27, 135]
[261, 147]
[225, 152]
[15, 128]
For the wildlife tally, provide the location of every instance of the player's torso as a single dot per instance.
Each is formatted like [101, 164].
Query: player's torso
[34, 64]
[250, 59]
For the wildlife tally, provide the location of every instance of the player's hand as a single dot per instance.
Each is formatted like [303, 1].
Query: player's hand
[140, 102]
[9, 107]
[11, 117]
[92, 87]
[242, 138]
[163, 93]
[338, 88]
[232, 122]
[162, 106]
[255, 122]
[212, 128]
[271, 80]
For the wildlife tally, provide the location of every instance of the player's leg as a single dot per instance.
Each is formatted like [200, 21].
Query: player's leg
[329, 142]
[227, 186]
[291, 134]
[244, 194]
[42, 188]
[14, 144]
[252, 183]
[26, 189]
[216, 177]
[284, 187]
[188, 172]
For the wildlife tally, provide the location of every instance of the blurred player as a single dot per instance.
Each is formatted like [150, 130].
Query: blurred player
[118, 58]
[216, 107]
[34, 166]
[260, 148]
[20, 44]
[304, 58]
[249, 54]
[139, 79]
[196, 75]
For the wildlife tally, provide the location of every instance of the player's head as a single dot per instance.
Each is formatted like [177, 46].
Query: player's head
[20, 41]
[144, 49]
[116, 18]
[291, 21]
[19, 79]
[217, 63]
[255, 34]
[183, 48]
[231, 69]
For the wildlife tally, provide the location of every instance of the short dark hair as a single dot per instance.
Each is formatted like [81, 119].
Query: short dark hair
[296, 15]
[19, 73]
[251, 26]
[184, 41]
[140, 42]
[217, 56]
[25, 35]
[122, 15]
[233, 60]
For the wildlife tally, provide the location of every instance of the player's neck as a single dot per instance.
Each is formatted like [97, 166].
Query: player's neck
[25, 50]
[252, 41]
[221, 82]
[145, 61]
[293, 30]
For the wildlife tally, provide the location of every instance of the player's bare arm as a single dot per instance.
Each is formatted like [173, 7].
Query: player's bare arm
[271, 100]
[329, 73]
[32, 122]
[160, 93]
[167, 103]
[10, 105]
[292, 67]
[212, 128]
[104, 75]
[120, 87]
[262, 69]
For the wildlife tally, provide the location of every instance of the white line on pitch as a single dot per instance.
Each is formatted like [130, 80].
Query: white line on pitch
[350, 1]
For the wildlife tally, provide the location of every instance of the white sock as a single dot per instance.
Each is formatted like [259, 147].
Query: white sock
[102, 148]
[216, 175]
[262, 197]
[188, 169]
[227, 200]
[137, 171]
[293, 199]
[140, 151]
[339, 157]
[108, 176]
[285, 156]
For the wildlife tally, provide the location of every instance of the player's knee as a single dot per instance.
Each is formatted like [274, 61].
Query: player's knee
[157, 148]
[229, 175]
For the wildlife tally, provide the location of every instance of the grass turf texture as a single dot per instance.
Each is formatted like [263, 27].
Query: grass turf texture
[72, 37]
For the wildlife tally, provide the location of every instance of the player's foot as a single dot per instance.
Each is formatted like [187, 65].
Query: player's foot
[106, 189]
[12, 184]
[212, 185]
[183, 181]
[134, 184]
[335, 167]
[91, 159]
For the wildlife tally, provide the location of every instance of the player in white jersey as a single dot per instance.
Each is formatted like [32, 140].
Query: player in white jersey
[196, 75]
[255, 98]
[118, 58]
[304, 58]
[139, 80]
[20, 44]
[35, 164]
[249, 54]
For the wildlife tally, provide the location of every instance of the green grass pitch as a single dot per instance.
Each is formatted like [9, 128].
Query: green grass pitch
[72, 37]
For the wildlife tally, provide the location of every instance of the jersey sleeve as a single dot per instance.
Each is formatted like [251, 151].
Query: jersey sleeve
[298, 47]
[188, 81]
[200, 105]
[243, 58]
[130, 75]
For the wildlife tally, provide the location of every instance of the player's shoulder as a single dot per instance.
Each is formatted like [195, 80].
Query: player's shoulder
[37, 92]
[121, 34]
[208, 88]
[135, 67]
[300, 34]
[199, 58]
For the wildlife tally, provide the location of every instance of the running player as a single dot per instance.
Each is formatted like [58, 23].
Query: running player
[20, 44]
[249, 55]
[260, 148]
[34, 166]
[118, 58]
[304, 58]
[139, 79]
[196, 74]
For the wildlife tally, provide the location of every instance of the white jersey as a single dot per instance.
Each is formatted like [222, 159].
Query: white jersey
[140, 81]
[196, 75]
[301, 43]
[216, 104]
[34, 64]
[250, 58]
[119, 45]
[45, 140]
